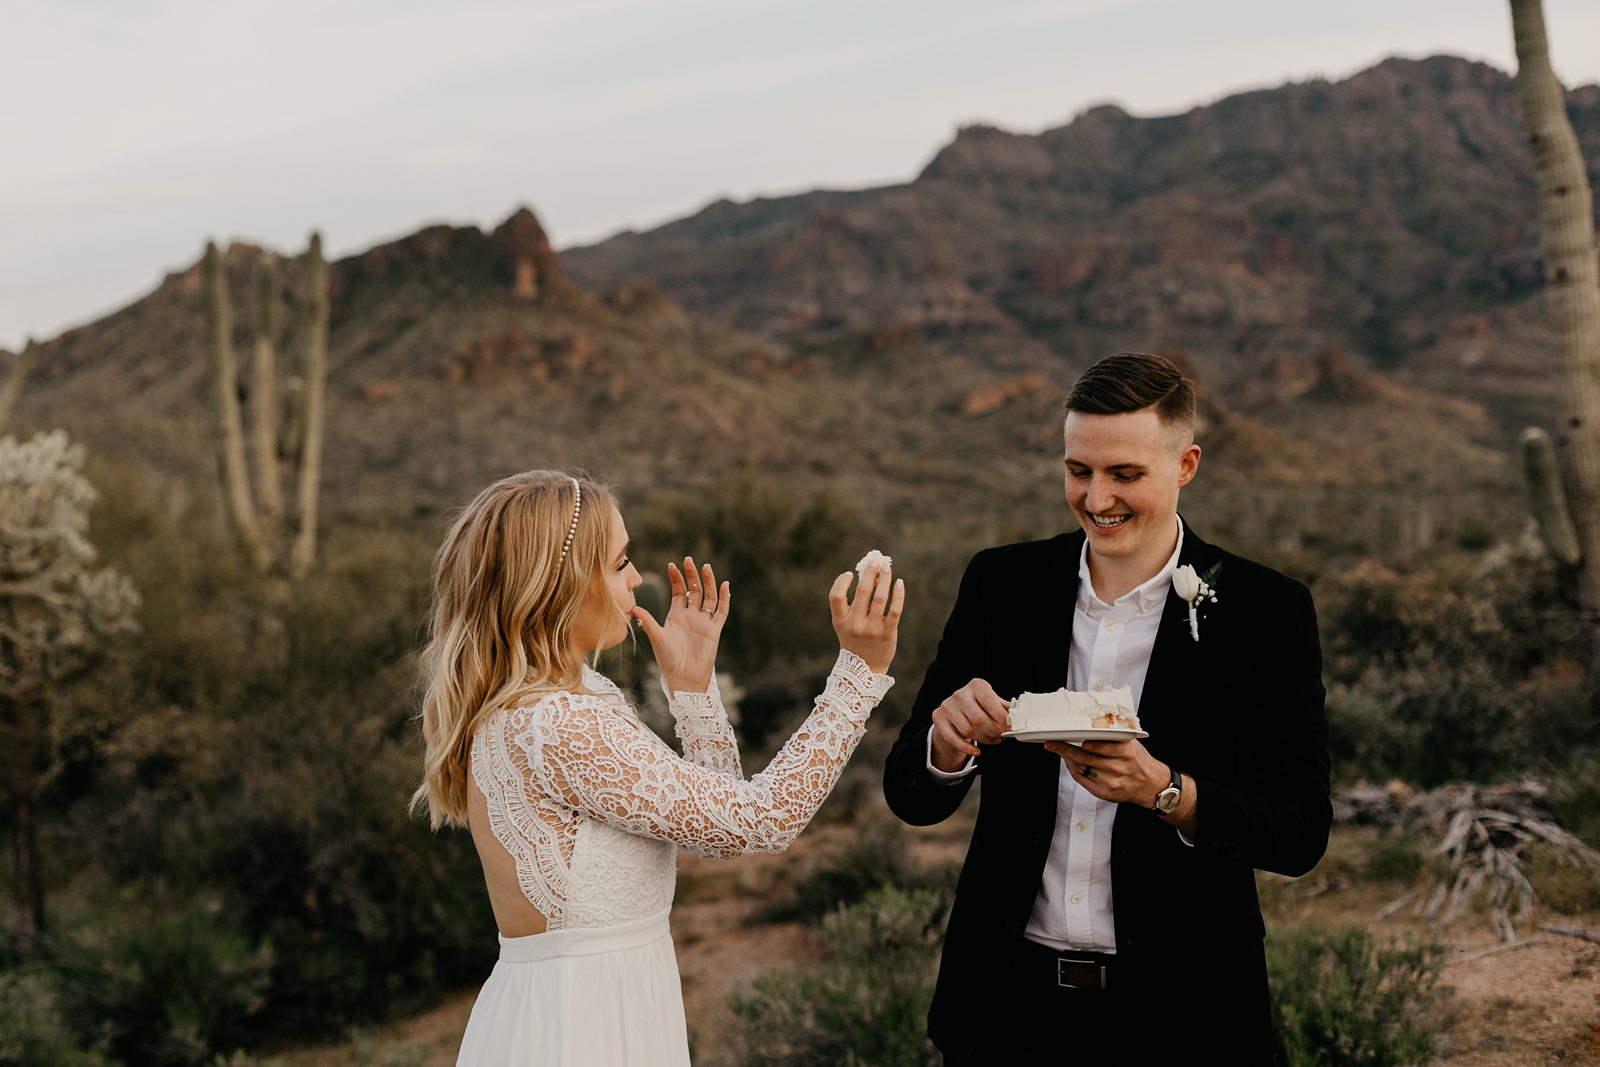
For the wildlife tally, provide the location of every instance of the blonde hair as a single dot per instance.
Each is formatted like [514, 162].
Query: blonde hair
[507, 588]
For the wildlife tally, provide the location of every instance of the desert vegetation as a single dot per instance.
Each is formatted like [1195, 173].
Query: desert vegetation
[230, 869]
[206, 685]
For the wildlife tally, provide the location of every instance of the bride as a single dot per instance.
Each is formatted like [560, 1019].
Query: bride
[576, 808]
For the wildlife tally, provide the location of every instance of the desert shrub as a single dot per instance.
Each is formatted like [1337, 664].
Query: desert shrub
[867, 1004]
[1575, 797]
[1397, 857]
[1562, 884]
[876, 856]
[260, 757]
[1429, 724]
[164, 986]
[779, 552]
[1437, 677]
[1342, 999]
[34, 1030]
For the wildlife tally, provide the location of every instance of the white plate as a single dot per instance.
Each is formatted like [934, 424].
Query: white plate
[1105, 734]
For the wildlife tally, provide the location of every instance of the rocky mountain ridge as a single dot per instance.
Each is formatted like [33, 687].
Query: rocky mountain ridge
[908, 347]
[1391, 216]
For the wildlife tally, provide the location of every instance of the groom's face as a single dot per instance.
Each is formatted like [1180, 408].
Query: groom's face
[1123, 473]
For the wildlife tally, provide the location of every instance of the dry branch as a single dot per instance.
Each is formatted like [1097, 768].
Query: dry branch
[1481, 832]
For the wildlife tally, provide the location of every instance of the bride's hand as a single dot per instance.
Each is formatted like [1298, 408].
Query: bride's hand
[686, 647]
[869, 626]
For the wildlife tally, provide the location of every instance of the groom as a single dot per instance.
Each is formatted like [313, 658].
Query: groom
[1107, 906]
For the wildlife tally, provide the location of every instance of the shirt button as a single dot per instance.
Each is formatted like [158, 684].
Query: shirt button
[1111, 626]
[1077, 898]
[1083, 824]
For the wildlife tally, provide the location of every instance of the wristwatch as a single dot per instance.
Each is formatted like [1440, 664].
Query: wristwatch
[1167, 800]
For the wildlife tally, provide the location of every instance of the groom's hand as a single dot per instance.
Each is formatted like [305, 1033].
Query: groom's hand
[1122, 772]
[971, 716]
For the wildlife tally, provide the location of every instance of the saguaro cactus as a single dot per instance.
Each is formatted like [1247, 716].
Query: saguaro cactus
[314, 372]
[258, 517]
[230, 425]
[1572, 277]
[264, 395]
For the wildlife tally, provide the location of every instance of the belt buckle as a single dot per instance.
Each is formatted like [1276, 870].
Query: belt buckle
[1061, 966]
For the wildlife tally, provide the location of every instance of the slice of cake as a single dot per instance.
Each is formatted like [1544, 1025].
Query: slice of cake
[870, 559]
[1068, 710]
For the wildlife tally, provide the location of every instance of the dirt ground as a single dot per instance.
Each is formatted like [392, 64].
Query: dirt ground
[1533, 1003]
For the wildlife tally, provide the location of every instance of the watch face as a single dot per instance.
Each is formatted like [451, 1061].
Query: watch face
[1167, 800]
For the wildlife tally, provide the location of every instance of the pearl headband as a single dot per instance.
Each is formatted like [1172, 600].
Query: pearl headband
[577, 509]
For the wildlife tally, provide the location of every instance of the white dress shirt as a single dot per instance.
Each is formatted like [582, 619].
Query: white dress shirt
[1111, 645]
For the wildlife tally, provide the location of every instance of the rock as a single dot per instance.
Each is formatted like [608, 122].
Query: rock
[521, 244]
[991, 398]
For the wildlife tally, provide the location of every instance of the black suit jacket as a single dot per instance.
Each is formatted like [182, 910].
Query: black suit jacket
[1240, 712]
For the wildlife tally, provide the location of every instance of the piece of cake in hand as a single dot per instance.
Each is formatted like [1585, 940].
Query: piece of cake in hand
[871, 558]
[1068, 710]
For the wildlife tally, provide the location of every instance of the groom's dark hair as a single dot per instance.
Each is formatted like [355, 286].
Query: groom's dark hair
[1133, 381]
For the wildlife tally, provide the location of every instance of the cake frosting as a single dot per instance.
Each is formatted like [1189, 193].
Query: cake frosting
[1067, 710]
[873, 557]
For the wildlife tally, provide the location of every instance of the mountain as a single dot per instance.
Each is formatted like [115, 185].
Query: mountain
[1392, 216]
[1350, 270]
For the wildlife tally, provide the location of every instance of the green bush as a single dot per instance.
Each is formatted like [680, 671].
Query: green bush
[261, 759]
[164, 987]
[1397, 857]
[877, 855]
[1575, 798]
[867, 1005]
[1342, 999]
[1439, 677]
[34, 1031]
[1562, 884]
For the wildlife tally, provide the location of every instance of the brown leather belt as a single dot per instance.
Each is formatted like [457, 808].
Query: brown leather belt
[1067, 968]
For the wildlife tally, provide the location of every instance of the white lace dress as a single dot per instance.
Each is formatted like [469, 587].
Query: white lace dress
[593, 806]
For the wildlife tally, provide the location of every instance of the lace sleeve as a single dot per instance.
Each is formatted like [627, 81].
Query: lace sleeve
[702, 726]
[608, 766]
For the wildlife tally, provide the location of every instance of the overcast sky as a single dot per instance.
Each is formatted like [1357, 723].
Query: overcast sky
[135, 129]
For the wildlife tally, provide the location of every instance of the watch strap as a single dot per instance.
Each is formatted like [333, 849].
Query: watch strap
[1175, 787]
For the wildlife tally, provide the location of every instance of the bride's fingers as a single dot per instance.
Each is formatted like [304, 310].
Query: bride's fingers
[898, 602]
[864, 591]
[723, 601]
[680, 591]
[691, 576]
[708, 582]
[647, 622]
[838, 607]
[880, 593]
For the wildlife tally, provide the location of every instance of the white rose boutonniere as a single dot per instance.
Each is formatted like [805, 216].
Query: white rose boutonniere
[1195, 589]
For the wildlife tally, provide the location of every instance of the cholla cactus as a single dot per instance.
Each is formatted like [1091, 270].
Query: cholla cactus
[57, 610]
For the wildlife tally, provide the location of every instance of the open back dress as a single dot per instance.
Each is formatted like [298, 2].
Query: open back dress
[593, 806]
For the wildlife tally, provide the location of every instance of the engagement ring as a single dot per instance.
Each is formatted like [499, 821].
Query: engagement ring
[1088, 771]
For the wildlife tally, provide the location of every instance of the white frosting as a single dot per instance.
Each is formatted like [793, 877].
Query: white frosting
[1068, 710]
[873, 557]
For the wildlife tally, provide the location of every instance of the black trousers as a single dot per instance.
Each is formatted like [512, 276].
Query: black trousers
[1162, 1009]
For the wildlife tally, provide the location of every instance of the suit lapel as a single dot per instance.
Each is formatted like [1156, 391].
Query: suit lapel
[1045, 643]
[1050, 630]
[1176, 659]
